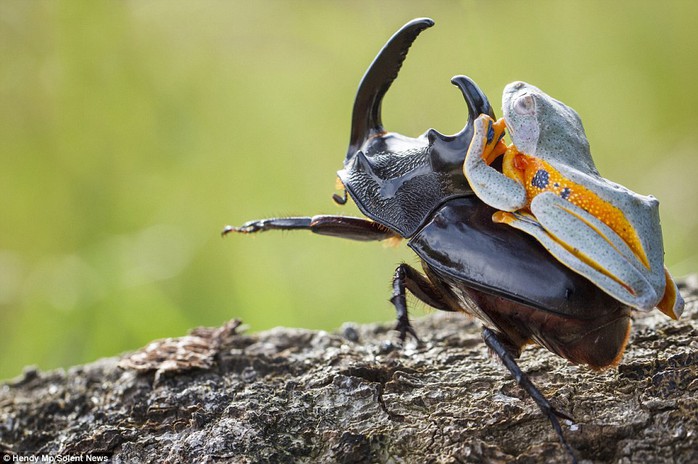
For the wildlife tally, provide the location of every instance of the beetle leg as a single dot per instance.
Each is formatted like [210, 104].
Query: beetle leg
[336, 226]
[495, 342]
[407, 277]
[261, 225]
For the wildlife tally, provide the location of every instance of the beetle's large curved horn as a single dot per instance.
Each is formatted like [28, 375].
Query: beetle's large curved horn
[366, 118]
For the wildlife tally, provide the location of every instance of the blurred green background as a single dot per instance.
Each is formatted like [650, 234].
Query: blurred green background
[132, 131]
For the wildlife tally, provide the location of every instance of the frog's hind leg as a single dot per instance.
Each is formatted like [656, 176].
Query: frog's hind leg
[587, 246]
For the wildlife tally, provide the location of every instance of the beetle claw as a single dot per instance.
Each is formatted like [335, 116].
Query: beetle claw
[226, 230]
[404, 327]
[244, 229]
[563, 415]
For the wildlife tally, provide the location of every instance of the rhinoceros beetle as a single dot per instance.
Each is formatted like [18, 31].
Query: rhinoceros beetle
[414, 188]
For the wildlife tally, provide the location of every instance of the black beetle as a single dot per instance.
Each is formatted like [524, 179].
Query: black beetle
[414, 188]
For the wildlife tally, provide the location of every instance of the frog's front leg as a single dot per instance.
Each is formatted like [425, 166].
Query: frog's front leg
[490, 185]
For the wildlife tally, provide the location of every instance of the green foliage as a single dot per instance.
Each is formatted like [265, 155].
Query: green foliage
[131, 132]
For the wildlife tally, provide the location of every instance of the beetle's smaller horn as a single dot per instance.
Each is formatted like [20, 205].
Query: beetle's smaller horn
[476, 100]
[448, 151]
[366, 117]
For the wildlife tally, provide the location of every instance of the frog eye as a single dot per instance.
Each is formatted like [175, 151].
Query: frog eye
[525, 105]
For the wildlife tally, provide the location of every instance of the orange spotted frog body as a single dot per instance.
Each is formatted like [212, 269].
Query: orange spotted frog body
[550, 188]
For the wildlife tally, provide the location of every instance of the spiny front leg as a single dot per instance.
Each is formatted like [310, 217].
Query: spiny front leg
[496, 343]
[262, 225]
[336, 226]
[407, 277]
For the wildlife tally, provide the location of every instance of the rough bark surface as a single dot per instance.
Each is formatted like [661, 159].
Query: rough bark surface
[291, 395]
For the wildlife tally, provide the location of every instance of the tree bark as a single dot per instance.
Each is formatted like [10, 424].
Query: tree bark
[293, 395]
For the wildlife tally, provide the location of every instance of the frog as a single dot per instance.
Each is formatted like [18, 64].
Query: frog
[549, 187]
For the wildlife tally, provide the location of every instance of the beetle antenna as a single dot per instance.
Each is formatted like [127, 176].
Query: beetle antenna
[340, 199]
[366, 117]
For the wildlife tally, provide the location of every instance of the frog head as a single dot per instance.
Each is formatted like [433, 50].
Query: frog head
[546, 128]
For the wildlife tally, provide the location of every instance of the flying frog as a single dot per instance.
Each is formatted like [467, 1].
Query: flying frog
[550, 188]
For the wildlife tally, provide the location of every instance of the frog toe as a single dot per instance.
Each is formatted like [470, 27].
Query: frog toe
[672, 303]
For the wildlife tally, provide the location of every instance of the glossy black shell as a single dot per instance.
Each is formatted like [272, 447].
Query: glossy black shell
[461, 241]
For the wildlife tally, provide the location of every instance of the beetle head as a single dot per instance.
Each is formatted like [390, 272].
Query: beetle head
[398, 181]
